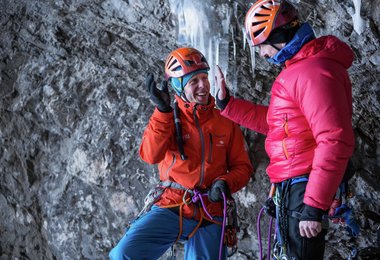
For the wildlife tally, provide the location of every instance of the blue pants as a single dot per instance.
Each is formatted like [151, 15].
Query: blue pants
[151, 235]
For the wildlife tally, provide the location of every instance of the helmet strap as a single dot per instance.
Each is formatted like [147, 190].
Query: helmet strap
[183, 96]
[274, 46]
[283, 34]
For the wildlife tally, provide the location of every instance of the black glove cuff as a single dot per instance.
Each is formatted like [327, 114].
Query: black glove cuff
[225, 188]
[222, 103]
[312, 214]
[165, 109]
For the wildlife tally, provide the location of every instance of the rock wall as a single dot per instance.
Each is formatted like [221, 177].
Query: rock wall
[73, 109]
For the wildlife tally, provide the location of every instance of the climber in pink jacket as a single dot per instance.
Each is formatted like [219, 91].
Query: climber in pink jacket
[309, 136]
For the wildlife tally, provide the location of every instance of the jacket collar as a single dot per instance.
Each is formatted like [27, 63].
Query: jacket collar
[303, 35]
[329, 47]
[201, 111]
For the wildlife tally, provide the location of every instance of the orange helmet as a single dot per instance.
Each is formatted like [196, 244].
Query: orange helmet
[183, 61]
[265, 16]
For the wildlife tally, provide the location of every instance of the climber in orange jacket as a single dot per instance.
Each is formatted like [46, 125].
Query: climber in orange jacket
[201, 157]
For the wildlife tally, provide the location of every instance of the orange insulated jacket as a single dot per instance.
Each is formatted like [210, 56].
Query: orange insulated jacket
[214, 146]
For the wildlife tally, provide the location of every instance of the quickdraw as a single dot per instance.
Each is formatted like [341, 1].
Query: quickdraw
[232, 227]
[270, 208]
[153, 195]
[340, 213]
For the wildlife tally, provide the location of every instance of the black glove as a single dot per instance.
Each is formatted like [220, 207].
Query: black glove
[312, 214]
[221, 104]
[215, 193]
[160, 97]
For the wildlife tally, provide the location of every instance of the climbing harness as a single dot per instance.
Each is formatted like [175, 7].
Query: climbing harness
[229, 223]
[275, 208]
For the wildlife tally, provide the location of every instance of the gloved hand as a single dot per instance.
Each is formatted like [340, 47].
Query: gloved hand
[160, 97]
[222, 95]
[215, 193]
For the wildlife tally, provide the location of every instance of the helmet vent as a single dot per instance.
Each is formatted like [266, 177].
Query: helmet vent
[258, 32]
[171, 64]
[258, 14]
[257, 23]
[178, 68]
[189, 62]
[265, 8]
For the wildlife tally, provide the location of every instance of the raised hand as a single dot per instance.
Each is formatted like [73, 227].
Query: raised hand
[160, 97]
[222, 93]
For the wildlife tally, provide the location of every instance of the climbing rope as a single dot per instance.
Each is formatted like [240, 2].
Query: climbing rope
[197, 196]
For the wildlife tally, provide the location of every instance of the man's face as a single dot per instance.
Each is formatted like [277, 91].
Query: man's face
[197, 89]
[268, 51]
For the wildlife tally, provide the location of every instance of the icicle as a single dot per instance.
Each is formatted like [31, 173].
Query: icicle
[253, 60]
[217, 51]
[212, 58]
[233, 42]
[199, 27]
[234, 69]
[244, 38]
[356, 18]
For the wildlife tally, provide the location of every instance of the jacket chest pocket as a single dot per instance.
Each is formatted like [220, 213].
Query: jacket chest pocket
[289, 143]
[216, 147]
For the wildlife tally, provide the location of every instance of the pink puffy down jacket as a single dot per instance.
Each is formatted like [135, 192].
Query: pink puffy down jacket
[308, 121]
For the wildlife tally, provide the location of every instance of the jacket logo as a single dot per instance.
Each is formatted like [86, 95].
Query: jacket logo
[186, 137]
[220, 143]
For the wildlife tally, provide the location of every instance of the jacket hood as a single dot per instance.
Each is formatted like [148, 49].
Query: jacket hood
[329, 47]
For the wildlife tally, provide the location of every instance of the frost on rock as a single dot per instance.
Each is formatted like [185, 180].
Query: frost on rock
[357, 19]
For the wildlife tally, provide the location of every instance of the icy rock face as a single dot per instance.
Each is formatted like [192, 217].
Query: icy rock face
[73, 109]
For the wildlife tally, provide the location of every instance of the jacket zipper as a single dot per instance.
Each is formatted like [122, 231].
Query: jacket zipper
[285, 125]
[210, 152]
[202, 144]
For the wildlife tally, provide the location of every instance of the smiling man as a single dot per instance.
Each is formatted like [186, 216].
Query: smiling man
[201, 159]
